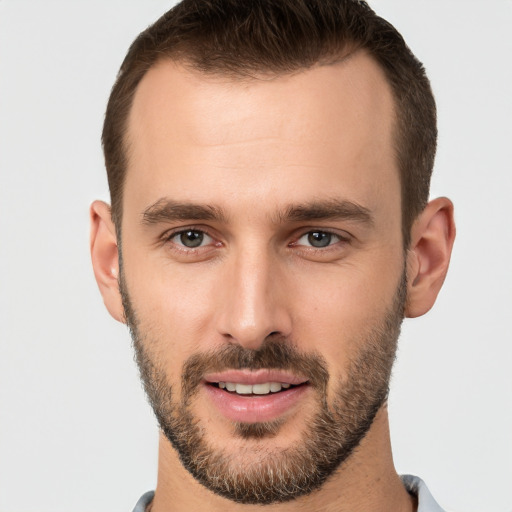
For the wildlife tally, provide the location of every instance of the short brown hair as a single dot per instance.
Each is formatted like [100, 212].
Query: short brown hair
[242, 38]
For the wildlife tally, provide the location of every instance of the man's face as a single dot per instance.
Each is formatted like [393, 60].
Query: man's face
[263, 269]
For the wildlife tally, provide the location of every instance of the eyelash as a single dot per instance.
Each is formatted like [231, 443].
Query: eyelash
[168, 237]
[341, 239]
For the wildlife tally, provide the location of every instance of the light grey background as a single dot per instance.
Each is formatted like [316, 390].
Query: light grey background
[75, 431]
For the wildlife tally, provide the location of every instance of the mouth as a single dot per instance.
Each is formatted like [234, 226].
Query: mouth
[264, 388]
[246, 396]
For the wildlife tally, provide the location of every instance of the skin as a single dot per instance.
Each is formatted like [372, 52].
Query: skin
[252, 149]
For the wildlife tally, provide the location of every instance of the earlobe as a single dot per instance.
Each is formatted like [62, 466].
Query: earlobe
[432, 237]
[105, 258]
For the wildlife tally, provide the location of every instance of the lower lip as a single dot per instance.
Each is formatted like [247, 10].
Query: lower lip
[255, 408]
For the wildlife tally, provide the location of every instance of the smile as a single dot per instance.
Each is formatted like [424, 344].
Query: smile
[254, 389]
[255, 396]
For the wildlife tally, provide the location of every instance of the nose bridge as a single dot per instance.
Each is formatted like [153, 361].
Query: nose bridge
[252, 309]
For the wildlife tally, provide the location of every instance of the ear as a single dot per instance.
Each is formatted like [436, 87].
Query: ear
[105, 258]
[428, 257]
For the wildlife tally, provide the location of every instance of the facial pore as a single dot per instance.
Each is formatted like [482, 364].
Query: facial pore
[329, 437]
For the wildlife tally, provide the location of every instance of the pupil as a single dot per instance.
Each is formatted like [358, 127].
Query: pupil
[191, 238]
[319, 239]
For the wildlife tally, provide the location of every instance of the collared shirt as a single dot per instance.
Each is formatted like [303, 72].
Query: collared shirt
[414, 485]
[417, 487]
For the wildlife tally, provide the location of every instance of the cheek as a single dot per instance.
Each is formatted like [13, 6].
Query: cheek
[173, 306]
[340, 312]
[332, 307]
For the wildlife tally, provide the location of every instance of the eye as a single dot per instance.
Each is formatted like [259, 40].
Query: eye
[191, 238]
[318, 239]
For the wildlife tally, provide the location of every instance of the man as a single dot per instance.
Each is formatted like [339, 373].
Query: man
[269, 166]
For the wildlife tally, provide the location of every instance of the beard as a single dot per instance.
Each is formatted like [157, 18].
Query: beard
[255, 474]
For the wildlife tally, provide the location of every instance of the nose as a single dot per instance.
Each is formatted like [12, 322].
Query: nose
[253, 302]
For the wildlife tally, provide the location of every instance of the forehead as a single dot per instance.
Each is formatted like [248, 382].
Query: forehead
[190, 135]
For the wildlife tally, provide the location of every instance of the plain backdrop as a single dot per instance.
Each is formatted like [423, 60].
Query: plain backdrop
[75, 430]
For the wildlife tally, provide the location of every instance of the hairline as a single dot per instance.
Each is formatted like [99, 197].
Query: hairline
[245, 76]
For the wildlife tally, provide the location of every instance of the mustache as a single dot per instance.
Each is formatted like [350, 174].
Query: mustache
[275, 353]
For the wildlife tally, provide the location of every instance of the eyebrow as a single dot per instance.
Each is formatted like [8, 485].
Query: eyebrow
[168, 210]
[330, 209]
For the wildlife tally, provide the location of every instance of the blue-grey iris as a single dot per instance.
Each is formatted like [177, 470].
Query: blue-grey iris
[319, 238]
[191, 238]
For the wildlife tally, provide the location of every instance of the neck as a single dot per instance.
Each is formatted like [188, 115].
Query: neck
[366, 481]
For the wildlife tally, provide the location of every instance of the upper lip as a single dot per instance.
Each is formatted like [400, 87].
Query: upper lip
[255, 377]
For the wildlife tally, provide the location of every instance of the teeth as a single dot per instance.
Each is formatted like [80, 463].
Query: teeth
[255, 389]
[261, 389]
[243, 389]
[276, 386]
